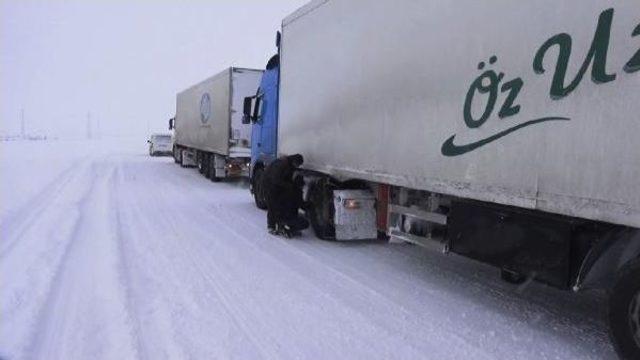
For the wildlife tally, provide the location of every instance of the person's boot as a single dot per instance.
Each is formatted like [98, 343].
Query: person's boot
[278, 230]
[290, 232]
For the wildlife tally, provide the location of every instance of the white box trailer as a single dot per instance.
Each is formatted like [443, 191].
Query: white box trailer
[208, 128]
[384, 89]
[506, 131]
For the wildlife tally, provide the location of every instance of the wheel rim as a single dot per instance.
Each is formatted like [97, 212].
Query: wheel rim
[634, 317]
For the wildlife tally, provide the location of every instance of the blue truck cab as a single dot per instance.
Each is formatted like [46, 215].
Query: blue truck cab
[261, 110]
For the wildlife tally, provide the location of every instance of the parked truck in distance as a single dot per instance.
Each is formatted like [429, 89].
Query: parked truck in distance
[208, 128]
[501, 132]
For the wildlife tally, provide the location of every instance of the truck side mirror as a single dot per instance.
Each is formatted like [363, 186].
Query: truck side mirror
[257, 109]
[171, 124]
[246, 118]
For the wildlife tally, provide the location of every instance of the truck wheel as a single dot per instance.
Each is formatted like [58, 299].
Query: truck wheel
[624, 311]
[320, 210]
[258, 190]
[176, 155]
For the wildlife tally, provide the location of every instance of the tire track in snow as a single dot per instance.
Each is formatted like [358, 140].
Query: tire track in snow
[232, 217]
[16, 224]
[233, 311]
[83, 305]
[491, 293]
[134, 294]
[204, 213]
[46, 311]
[34, 261]
[125, 270]
[393, 321]
[286, 261]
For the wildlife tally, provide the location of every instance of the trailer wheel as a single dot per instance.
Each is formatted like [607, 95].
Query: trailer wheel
[258, 189]
[624, 311]
[320, 210]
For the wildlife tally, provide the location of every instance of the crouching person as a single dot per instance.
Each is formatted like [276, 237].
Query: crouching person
[284, 196]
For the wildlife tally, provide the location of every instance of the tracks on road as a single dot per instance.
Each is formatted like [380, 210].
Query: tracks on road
[130, 257]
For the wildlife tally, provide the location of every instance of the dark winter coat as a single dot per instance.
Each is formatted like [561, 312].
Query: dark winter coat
[284, 196]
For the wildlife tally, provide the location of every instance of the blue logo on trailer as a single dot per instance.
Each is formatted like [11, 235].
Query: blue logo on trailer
[205, 108]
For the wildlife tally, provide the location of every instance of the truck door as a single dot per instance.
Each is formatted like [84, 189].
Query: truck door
[269, 116]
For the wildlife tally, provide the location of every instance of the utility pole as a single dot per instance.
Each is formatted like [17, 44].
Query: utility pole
[23, 133]
[89, 125]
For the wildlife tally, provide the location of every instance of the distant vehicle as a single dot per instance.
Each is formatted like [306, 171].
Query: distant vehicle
[208, 128]
[160, 144]
[472, 128]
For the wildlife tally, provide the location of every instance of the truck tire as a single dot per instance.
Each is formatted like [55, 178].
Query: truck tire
[258, 189]
[320, 210]
[624, 311]
[176, 155]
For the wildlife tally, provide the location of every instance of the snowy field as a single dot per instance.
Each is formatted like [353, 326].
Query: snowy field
[106, 253]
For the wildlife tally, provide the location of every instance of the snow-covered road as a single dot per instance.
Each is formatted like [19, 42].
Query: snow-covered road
[106, 253]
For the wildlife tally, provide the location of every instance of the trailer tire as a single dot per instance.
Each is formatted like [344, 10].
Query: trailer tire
[320, 209]
[624, 311]
[258, 189]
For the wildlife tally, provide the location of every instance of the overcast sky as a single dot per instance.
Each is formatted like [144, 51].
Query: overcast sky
[122, 61]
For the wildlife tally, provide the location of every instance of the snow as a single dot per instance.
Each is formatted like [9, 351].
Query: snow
[107, 253]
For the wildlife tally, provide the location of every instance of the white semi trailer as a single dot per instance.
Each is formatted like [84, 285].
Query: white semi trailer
[208, 128]
[505, 131]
